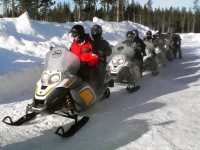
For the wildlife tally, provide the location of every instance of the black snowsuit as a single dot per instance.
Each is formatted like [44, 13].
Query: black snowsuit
[104, 50]
[139, 48]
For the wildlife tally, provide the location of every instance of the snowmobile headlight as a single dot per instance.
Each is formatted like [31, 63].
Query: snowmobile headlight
[121, 61]
[147, 51]
[114, 61]
[54, 78]
[44, 77]
[157, 50]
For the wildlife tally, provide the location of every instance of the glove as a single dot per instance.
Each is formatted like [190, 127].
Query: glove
[100, 53]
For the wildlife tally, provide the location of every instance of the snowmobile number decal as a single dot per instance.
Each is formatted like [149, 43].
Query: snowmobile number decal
[56, 53]
[70, 82]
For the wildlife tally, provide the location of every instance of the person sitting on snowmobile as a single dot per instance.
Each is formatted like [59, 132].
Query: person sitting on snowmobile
[134, 41]
[104, 50]
[84, 48]
[149, 41]
[159, 40]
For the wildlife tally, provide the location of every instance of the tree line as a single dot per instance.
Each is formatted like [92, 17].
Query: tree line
[170, 19]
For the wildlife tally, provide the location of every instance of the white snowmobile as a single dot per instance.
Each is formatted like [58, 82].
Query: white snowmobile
[149, 61]
[167, 47]
[160, 56]
[122, 69]
[60, 91]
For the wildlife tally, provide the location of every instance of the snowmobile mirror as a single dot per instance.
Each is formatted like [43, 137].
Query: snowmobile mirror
[51, 47]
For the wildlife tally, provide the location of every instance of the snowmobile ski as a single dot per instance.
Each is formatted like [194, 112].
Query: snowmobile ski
[21, 120]
[73, 129]
[155, 73]
[134, 89]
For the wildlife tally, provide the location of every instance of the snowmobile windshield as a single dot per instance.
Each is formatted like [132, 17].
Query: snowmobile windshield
[62, 60]
[149, 45]
[123, 49]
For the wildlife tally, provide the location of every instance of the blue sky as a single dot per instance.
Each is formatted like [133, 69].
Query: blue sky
[158, 3]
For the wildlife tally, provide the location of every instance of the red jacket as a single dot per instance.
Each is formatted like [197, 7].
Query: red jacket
[88, 57]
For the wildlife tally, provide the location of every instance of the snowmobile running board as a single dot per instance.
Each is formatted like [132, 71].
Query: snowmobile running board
[73, 129]
[21, 120]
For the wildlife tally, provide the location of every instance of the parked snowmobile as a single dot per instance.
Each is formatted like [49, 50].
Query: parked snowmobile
[60, 91]
[160, 51]
[176, 44]
[149, 61]
[160, 56]
[122, 69]
[168, 52]
[167, 47]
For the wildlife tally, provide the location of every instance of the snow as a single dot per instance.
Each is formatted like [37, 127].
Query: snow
[163, 114]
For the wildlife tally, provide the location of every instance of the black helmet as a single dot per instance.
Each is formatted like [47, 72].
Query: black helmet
[149, 33]
[157, 35]
[129, 35]
[96, 31]
[135, 32]
[77, 30]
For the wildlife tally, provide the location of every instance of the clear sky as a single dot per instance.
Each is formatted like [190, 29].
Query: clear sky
[169, 3]
[157, 3]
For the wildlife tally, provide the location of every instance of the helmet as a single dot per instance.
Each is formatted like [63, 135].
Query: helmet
[96, 31]
[135, 34]
[157, 35]
[129, 35]
[149, 33]
[77, 30]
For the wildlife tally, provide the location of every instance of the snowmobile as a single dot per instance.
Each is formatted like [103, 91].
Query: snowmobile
[160, 51]
[176, 46]
[160, 56]
[149, 61]
[122, 69]
[167, 47]
[168, 52]
[62, 92]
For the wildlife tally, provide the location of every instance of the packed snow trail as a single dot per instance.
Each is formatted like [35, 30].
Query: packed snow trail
[161, 115]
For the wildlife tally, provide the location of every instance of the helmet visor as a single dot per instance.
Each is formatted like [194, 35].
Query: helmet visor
[73, 33]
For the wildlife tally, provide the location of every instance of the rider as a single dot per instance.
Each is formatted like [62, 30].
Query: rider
[149, 41]
[103, 46]
[159, 40]
[134, 41]
[140, 49]
[84, 48]
[104, 51]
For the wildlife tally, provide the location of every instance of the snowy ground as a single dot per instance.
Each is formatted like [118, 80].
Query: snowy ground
[163, 114]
